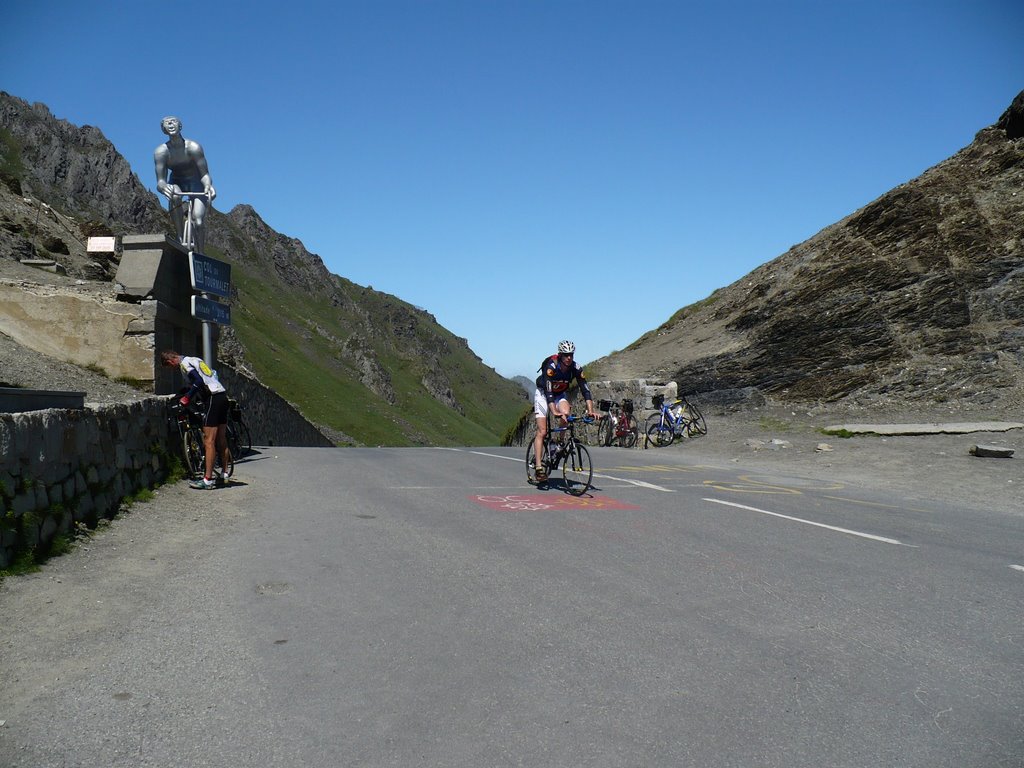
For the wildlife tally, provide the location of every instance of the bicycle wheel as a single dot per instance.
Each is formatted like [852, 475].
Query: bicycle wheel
[531, 476]
[697, 425]
[244, 439]
[659, 435]
[577, 471]
[234, 439]
[632, 433]
[654, 431]
[192, 450]
[604, 431]
[187, 239]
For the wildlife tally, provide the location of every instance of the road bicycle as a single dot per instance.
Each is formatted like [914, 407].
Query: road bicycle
[681, 418]
[239, 439]
[619, 427]
[577, 471]
[188, 423]
[188, 234]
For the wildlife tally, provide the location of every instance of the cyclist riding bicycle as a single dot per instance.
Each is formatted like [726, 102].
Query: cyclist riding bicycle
[552, 393]
[202, 380]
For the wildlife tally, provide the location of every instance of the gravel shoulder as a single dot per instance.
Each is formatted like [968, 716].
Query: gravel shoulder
[786, 441]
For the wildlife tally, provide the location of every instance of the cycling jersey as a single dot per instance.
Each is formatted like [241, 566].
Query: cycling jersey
[200, 377]
[555, 379]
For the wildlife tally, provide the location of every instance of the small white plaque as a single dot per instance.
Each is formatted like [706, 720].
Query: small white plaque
[101, 245]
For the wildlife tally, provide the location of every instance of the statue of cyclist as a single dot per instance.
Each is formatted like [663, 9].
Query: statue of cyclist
[551, 395]
[184, 160]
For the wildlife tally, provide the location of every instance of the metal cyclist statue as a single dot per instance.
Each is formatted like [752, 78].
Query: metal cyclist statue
[184, 161]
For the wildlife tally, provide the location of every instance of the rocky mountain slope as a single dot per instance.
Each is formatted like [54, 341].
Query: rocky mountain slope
[365, 365]
[917, 297]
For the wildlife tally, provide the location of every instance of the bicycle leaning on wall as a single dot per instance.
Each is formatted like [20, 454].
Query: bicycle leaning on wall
[619, 426]
[239, 439]
[681, 418]
[187, 422]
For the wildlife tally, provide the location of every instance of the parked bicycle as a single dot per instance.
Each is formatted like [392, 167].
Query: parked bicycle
[620, 426]
[681, 418]
[188, 423]
[577, 471]
[239, 439]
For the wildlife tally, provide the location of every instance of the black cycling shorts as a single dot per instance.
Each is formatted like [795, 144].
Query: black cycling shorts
[216, 412]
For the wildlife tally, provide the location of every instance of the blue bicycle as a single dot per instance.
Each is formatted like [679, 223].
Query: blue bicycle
[681, 418]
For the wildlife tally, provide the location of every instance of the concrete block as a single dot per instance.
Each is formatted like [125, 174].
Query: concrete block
[991, 451]
[154, 267]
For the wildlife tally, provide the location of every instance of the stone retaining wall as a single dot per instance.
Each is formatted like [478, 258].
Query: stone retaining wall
[62, 467]
[271, 419]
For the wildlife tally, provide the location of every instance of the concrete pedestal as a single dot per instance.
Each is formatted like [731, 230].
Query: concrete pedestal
[154, 273]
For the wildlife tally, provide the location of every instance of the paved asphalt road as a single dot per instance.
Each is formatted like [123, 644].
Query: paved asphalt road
[426, 607]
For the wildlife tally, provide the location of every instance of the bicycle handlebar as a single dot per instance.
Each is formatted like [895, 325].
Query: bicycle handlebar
[182, 193]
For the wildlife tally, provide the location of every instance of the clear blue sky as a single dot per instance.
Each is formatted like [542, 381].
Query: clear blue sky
[530, 171]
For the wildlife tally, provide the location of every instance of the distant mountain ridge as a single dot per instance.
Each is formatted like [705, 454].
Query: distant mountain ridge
[918, 297]
[368, 367]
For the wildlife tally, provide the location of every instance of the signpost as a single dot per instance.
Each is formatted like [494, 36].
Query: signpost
[209, 276]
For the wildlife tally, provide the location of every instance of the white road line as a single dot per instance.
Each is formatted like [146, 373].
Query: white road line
[811, 522]
[492, 455]
[1017, 567]
[639, 483]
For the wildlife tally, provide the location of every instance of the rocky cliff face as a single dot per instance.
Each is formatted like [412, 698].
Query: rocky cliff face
[917, 297]
[77, 168]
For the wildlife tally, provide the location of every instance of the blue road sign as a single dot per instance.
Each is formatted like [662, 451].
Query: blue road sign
[209, 275]
[211, 311]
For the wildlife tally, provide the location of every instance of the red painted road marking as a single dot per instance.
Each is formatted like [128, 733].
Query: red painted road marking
[542, 502]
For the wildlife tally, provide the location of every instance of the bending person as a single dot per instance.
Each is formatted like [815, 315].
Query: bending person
[202, 380]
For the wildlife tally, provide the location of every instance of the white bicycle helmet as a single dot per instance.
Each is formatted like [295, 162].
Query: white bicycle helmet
[566, 347]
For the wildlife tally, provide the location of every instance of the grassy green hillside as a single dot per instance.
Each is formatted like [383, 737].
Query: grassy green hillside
[295, 341]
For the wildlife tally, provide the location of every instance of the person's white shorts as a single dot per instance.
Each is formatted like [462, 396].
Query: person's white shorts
[540, 403]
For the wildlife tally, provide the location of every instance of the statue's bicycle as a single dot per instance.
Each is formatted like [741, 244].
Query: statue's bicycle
[189, 224]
